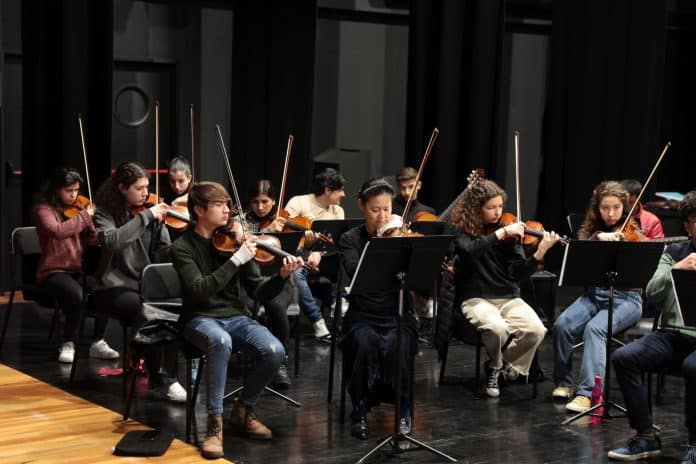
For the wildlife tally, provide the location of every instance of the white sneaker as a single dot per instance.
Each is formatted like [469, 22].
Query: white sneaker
[100, 349]
[66, 352]
[176, 393]
[320, 330]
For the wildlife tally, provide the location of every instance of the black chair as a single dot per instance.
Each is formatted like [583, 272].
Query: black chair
[160, 297]
[91, 262]
[24, 257]
[451, 323]
[161, 292]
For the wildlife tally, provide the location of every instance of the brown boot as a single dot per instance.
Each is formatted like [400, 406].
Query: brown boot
[212, 444]
[244, 421]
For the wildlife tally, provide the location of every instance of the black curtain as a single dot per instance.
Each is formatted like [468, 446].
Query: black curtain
[67, 59]
[272, 91]
[605, 97]
[454, 75]
[679, 117]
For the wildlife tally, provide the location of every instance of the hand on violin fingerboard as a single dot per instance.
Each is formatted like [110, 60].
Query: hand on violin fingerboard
[277, 225]
[290, 265]
[546, 243]
[159, 211]
[515, 230]
[610, 236]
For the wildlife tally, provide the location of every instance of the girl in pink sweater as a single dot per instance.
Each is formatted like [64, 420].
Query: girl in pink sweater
[62, 243]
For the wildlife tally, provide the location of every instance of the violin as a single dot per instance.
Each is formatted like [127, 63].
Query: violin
[72, 210]
[295, 224]
[424, 216]
[229, 239]
[149, 202]
[533, 230]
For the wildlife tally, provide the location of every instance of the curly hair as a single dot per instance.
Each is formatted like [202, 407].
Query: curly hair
[466, 214]
[109, 197]
[687, 206]
[593, 219]
[60, 177]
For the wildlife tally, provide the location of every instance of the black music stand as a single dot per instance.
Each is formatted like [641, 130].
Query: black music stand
[592, 263]
[390, 264]
[333, 228]
[684, 285]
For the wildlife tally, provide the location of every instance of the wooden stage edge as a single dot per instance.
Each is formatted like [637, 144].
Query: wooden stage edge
[42, 424]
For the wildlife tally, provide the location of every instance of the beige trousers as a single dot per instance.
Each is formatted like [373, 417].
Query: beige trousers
[498, 319]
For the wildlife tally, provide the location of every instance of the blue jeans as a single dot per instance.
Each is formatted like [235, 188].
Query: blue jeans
[216, 337]
[587, 316]
[308, 304]
[654, 351]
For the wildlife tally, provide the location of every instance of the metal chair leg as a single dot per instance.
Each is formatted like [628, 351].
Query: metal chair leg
[8, 310]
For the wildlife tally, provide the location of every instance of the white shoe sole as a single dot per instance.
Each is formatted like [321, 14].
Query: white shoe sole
[634, 457]
[493, 393]
[574, 408]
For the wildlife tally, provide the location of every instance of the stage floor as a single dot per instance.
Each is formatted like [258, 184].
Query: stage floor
[511, 429]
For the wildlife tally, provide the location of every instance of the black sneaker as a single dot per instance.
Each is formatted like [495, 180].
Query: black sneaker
[281, 380]
[359, 428]
[638, 447]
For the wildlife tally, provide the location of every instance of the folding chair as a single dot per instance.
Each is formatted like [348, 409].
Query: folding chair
[24, 257]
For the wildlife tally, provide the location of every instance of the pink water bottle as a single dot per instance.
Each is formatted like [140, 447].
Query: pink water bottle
[597, 398]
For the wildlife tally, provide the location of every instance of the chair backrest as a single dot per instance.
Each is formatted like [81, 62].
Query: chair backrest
[574, 223]
[25, 241]
[159, 282]
[24, 255]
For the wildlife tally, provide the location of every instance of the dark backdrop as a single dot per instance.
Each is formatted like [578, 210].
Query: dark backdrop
[272, 91]
[605, 99]
[67, 57]
[454, 83]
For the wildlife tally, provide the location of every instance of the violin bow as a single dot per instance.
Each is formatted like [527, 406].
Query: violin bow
[281, 197]
[225, 156]
[84, 155]
[645, 185]
[193, 161]
[428, 150]
[516, 135]
[157, 147]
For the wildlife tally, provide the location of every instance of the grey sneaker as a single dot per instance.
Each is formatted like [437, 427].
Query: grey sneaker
[492, 388]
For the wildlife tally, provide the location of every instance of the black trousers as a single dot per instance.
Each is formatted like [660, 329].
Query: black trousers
[67, 290]
[161, 362]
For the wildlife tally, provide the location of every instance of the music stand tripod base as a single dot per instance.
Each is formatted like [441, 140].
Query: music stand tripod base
[608, 264]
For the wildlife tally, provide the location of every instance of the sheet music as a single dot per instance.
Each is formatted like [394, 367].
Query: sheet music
[563, 266]
[357, 270]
